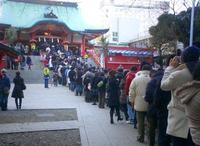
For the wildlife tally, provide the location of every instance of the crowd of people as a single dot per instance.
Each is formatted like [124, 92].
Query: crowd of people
[19, 63]
[167, 99]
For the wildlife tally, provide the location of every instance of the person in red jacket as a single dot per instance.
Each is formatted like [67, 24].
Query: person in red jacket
[129, 77]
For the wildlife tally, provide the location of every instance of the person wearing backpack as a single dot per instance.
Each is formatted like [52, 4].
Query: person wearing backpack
[102, 90]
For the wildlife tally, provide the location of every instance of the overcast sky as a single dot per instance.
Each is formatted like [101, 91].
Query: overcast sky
[90, 8]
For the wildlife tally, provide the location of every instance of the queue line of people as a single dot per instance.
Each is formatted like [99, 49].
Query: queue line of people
[158, 96]
[162, 97]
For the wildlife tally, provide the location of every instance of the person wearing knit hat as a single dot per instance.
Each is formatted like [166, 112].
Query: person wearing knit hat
[190, 57]
[178, 73]
[190, 54]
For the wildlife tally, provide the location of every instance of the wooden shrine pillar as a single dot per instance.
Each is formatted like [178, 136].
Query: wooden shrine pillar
[2, 62]
[83, 52]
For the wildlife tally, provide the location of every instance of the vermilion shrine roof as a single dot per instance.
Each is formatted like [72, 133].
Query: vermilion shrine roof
[28, 13]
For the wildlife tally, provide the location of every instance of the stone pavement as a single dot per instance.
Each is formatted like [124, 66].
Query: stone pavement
[93, 123]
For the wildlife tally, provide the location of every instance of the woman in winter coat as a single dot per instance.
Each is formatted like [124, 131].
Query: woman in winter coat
[94, 88]
[123, 97]
[113, 93]
[175, 76]
[189, 95]
[17, 93]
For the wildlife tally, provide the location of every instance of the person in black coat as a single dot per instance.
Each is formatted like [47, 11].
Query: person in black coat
[157, 111]
[17, 93]
[161, 101]
[72, 77]
[78, 81]
[29, 62]
[113, 93]
[94, 88]
[101, 90]
[152, 111]
[4, 89]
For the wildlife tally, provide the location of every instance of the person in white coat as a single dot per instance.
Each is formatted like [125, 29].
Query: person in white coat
[176, 74]
[137, 92]
[50, 63]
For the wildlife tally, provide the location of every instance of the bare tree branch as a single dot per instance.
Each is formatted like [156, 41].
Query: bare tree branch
[185, 4]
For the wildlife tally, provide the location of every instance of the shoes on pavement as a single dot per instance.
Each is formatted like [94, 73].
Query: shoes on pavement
[129, 122]
[111, 121]
[119, 119]
[140, 139]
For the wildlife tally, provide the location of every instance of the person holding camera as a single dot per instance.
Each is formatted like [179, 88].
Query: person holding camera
[176, 74]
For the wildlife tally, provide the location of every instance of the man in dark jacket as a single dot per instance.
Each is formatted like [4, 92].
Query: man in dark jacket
[101, 90]
[72, 77]
[152, 113]
[78, 81]
[5, 87]
[29, 62]
[161, 100]
[157, 111]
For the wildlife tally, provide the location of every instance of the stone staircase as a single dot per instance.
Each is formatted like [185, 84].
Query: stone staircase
[33, 76]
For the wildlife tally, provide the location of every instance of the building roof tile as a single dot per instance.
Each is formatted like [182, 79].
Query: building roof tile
[26, 15]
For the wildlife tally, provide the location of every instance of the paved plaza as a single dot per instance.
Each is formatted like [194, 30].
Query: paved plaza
[93, 123]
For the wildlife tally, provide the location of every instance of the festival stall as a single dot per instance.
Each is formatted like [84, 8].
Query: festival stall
[115, 56]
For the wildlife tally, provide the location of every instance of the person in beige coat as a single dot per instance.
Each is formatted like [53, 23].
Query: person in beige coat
[137, 92]
[189, 95]
[175, 76]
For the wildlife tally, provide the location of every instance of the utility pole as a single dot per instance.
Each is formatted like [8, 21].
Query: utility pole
[192, 23]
